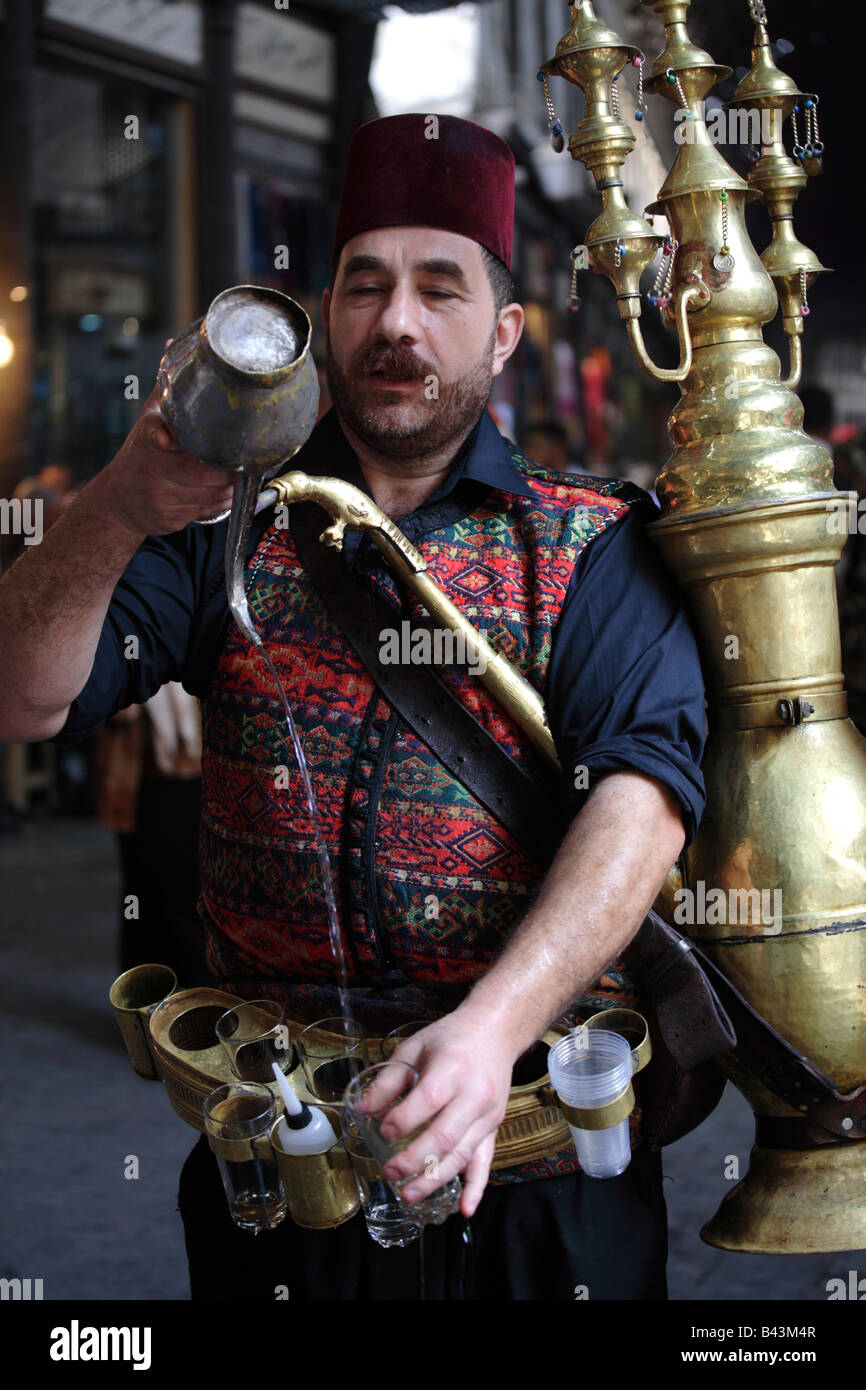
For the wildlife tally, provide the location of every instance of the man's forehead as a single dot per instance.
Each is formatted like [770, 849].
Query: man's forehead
[398, 248]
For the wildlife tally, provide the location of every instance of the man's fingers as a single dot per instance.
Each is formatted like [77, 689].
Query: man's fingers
[476, 1175]
[158, 437]
[439, 1083]
[435, 1169]
[390, 1082]
[180, 469]
[451, 1137]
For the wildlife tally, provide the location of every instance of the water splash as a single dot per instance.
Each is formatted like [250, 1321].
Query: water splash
[336, 936]
[422, 1291]
[465, 1259]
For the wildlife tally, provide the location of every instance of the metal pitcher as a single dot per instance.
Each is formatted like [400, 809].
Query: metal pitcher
[239, 390]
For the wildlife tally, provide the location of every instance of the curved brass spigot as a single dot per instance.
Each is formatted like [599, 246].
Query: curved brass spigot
[795, 360]
[353, 510]
[694, 293]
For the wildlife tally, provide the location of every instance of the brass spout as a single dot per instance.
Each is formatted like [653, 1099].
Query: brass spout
[795, 361]
[351, 509]
[691, 294]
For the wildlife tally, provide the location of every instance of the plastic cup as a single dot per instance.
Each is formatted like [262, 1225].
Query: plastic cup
[589, 1068]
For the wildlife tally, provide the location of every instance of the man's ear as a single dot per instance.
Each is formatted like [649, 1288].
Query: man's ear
[508, 332]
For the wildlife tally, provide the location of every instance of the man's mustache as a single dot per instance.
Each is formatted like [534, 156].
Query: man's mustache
[401, 362]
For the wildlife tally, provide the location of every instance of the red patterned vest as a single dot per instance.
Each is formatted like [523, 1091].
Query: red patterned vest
[428, 884]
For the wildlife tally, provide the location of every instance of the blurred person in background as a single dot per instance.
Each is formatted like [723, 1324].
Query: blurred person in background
[147, 773]
[547, 445]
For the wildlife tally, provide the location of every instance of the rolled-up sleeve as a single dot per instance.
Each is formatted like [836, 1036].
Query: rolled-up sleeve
[148, 635]
[625, 689]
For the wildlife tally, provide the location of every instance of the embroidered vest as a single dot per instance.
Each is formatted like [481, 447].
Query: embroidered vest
[428, 884]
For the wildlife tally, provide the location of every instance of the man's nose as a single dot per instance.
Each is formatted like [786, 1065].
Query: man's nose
[400, 317]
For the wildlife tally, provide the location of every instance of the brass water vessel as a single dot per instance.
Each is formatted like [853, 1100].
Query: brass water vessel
[746, 502]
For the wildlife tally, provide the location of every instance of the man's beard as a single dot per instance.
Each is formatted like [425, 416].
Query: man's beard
[404, 430]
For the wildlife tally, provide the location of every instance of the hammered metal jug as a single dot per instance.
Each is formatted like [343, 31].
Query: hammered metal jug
[239, 390]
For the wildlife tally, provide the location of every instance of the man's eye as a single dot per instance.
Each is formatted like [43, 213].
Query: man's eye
[439, 294]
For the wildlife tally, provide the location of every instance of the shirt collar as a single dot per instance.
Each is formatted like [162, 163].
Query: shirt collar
[484, 458]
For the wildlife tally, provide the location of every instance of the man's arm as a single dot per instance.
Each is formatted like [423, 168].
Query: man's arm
[597, 892]
[54, 599]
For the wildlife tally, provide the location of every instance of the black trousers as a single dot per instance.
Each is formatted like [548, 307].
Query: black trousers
[555, 1239]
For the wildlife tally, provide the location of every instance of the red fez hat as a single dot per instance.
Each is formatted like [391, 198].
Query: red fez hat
[429, 171]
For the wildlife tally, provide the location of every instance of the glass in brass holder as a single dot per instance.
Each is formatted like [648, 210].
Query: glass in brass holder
[134, 996]
[320, 1188]
[747, 500]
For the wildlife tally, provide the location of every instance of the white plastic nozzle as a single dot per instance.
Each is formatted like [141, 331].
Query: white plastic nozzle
[287, 1091]
[304, 1129]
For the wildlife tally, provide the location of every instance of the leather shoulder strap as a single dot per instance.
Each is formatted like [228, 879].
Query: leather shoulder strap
[531, 813]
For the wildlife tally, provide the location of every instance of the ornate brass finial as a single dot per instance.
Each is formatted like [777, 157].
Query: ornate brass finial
[765, 98]
[620, 243]
[696, 69]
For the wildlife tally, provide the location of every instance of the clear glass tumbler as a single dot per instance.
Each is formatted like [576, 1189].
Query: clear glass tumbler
[386, 1217]
[253, 1035]
[332, 1051]
[369, 1098]
[392, 1040]
[238, 1119]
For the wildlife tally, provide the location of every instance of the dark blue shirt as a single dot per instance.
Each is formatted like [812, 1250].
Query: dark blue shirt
[625, 691]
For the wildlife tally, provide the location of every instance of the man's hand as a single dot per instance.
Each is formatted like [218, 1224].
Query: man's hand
[152, 487]
[597, 892]
[465, 1077]
[54, 598]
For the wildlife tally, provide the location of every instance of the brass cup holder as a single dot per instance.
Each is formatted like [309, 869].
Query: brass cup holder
[134, 996]
[320, 1188]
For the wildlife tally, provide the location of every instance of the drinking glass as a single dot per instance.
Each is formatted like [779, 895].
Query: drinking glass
[134, 996]
[332, 1052]
[369, 1098]
[392, 1040]
[253, 1035]
[386, 1218]
[238, 1119]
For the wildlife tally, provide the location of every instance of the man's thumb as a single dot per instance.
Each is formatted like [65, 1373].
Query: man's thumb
[158, 437]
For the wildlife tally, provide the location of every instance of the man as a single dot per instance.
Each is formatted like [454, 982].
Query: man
[419, 319]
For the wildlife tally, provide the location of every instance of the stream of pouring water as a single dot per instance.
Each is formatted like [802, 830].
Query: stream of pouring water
[321, 847]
